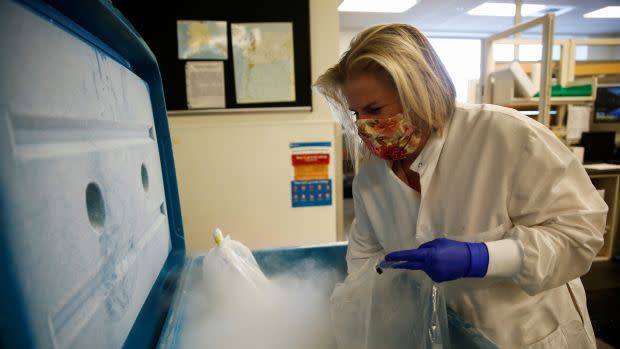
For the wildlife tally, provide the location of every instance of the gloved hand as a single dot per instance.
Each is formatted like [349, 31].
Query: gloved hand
[444, 259]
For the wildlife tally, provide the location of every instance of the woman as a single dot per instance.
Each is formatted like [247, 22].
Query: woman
[518, 217]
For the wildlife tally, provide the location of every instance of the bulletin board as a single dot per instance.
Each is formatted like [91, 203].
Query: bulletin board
[157, 24]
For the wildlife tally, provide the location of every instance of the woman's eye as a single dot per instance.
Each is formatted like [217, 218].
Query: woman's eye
[374, 110]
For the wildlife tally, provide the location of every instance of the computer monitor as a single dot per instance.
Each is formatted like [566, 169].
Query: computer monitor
[607, 104]
[598, 146]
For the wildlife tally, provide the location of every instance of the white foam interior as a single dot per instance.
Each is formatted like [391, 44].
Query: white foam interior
[82, 180]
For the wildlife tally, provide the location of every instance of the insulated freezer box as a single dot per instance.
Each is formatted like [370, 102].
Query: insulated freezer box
[92, 253]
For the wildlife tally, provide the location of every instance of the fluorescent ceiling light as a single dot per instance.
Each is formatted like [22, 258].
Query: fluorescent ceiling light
[504, 10]
[605, 12]
[392, 6]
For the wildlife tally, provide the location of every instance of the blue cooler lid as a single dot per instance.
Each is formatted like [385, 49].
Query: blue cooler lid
[91, 238]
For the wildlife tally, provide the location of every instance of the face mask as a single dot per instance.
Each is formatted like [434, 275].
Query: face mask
[392, 138]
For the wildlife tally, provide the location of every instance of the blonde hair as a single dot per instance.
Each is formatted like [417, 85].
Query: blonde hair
[403, 54]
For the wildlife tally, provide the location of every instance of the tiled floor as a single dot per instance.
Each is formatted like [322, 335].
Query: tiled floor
[602, 285]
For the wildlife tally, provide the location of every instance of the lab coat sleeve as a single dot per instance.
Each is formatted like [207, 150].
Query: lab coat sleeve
[505, 258]
[558, 216]
[363, 243]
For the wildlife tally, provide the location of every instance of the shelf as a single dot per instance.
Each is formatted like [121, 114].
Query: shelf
[590, 68]
[582, 68]
[533, 102]
[518, 103]
[496, 88]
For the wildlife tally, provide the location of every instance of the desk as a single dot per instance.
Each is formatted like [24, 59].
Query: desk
[608, 180]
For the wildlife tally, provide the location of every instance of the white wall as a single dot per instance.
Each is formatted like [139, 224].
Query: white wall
[234, 168]
[604, 53]
[346, 35]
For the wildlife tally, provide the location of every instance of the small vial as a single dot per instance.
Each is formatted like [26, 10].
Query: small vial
[385, 265]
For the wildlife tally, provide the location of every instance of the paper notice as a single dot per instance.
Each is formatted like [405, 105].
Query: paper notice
[578, 121]
[205, 85]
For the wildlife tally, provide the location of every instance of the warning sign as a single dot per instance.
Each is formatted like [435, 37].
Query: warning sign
[311, 185]
[311, 193]
[311, 166]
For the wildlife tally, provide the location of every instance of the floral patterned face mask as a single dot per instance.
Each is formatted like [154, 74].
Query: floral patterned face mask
[392, 138]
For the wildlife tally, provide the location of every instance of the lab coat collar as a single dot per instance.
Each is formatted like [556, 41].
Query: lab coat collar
[426, 162]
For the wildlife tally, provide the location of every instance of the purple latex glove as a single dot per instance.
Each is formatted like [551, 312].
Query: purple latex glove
[444, 259]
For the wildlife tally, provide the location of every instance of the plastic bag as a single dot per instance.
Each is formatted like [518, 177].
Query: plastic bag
[231, 264]
[395, 310]
[234, 305]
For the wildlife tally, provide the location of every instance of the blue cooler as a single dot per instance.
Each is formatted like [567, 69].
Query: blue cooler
[92, 253]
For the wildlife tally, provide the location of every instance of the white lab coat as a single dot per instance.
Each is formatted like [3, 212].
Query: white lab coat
[494, 174]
